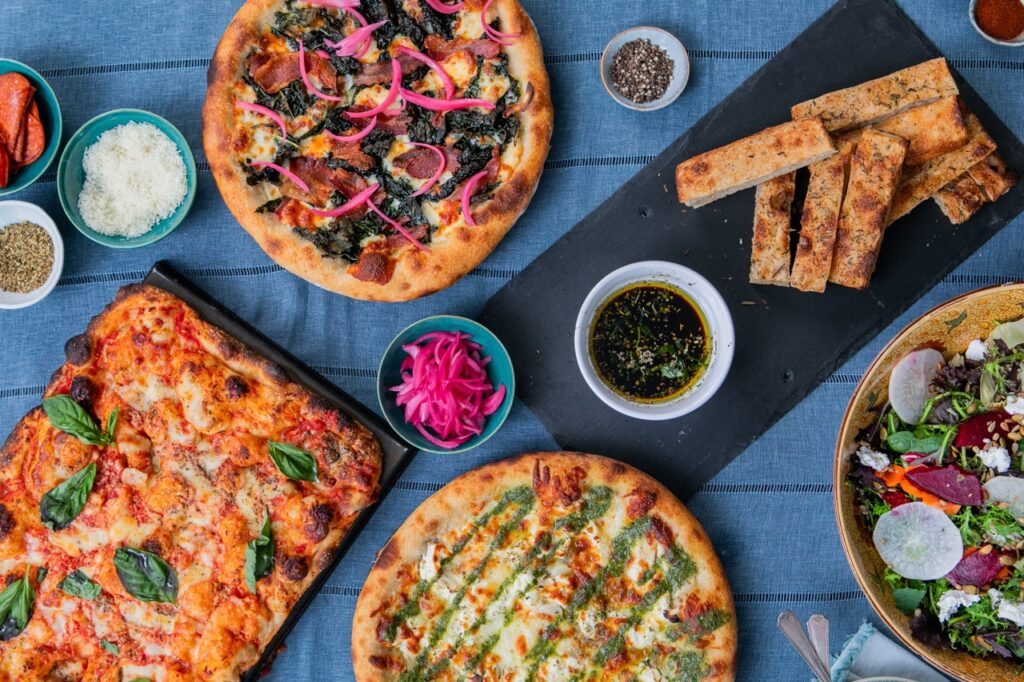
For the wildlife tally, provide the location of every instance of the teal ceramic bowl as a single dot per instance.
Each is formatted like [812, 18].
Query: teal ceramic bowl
[49, 114]
[499, 371]
[71, 175]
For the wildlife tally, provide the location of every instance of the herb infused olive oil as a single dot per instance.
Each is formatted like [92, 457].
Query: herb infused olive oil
[649, 342]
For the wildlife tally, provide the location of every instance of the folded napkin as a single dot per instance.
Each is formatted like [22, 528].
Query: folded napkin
[869, 653]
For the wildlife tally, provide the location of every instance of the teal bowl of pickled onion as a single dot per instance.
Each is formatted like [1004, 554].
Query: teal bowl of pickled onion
[446, 384]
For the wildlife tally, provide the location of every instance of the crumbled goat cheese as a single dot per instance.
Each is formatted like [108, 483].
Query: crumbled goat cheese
[952, 601]
[1012, 611]
[1015, 404]
[976, 351]
[995, 596]
[995, 457]
[872, 458]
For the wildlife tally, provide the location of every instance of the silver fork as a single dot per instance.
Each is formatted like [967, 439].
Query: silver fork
[810, 652]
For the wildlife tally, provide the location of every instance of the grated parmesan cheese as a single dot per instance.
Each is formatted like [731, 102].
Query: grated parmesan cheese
[134, 178]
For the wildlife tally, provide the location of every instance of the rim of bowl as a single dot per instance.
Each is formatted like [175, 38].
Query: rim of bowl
[845, 532]
[1016, 42]
[148, 237]
[703, 294]
[665, 99]
[58, 114]
[502, 412]
[48, 224]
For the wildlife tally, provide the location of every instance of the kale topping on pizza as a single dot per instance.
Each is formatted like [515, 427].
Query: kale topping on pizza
[357, 161]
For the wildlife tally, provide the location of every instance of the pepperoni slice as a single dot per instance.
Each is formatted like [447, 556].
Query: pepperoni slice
[35, 135]
[5, 166]
[15, 95]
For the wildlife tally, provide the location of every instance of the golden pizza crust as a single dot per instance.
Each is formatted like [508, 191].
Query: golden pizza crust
[453, 251]
[406, 546]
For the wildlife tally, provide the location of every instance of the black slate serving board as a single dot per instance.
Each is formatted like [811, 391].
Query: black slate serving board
[787, 343]
[396, 453]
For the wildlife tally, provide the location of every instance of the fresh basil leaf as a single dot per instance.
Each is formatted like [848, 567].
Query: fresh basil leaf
[146, 576]
[259, 556]
[907, 598]
[64, 503]
[78, 584]
[41, 574]
[68, 416]
[110, 647]
[905, 441]
[111, 423]
[293, 462]
[16, 606]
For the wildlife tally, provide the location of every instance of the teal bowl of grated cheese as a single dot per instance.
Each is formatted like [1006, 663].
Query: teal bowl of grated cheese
[139, 179]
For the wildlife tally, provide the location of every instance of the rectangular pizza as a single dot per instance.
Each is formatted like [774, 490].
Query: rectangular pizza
[752, 160]
[874, 173]
[818, 224]
[170, 501]
[922, 182]
[880, 98]
[769, 252]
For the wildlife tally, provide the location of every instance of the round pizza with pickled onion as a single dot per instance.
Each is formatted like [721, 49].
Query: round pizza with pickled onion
[378, 148]
[548, 566]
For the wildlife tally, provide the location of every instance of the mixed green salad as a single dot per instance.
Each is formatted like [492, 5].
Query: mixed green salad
[939, 479]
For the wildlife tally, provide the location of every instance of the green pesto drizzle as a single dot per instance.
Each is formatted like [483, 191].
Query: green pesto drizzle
[517, 496]
[525, 506]
[619, 555]
[596, 503]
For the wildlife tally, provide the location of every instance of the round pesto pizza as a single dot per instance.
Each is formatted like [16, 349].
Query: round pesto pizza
[378, 148]
[548, 566]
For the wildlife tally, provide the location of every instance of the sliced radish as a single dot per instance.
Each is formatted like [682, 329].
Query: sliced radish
[1008, 489]
[1010, 333]
[918, 542]
[910, 383]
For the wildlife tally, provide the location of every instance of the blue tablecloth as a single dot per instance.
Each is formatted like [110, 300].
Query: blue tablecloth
[769, 513]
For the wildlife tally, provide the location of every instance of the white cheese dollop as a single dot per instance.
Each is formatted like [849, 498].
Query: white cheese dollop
[1015, 404]
[872, 458]
[995, 596]
[1012, 611]
[995, 457]
[952, 601]
[428, 570]
[976, 351]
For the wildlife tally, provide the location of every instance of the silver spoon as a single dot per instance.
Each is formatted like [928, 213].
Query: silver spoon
[817, 631]
[794, 632]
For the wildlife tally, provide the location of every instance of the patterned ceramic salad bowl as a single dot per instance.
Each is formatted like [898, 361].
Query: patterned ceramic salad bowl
[929, 484]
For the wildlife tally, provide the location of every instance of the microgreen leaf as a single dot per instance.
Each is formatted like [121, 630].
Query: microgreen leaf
[907, 598]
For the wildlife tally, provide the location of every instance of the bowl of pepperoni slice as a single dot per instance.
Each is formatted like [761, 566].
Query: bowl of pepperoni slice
[30, 126]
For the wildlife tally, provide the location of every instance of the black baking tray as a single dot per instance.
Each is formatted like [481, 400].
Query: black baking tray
[396, 453]
[787, 342]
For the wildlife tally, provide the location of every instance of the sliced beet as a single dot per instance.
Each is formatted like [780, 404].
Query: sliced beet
[976, 569]
[975, 431]
[949, 482]
[895, 498]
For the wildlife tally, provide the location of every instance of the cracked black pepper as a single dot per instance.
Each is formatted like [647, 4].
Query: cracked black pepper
[641, 71]
[26, 257]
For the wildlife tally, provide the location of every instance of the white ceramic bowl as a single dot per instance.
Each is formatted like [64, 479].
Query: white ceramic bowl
[1016, 42]
[702, 293]
[664, 40]
[16, 212]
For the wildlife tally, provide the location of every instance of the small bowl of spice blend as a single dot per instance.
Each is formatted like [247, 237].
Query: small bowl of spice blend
[645, 68]
[31, 254]
[999, 21]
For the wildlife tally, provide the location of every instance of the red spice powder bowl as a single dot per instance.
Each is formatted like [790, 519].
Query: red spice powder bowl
[1001, 14]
